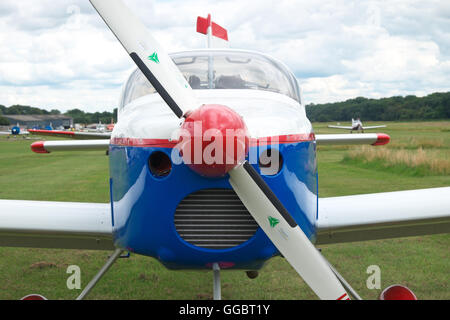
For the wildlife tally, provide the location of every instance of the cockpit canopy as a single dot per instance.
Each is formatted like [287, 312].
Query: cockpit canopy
[221, 69]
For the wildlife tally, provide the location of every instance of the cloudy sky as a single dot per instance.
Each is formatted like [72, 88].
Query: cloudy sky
[60, 54]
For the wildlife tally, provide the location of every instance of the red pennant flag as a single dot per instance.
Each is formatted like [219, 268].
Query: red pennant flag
[204, 23]
[219, 32]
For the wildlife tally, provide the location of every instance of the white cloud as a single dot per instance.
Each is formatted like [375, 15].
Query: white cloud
[60, 54]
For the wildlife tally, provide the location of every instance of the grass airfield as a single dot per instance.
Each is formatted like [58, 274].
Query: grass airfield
[421, 263]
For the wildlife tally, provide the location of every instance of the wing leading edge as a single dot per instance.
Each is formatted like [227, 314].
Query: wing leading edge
[71, 134]
[71, 225]
[65, 225]
[375, 139]
[383, 215]
[69, 145]
[374, 127]
[341, 127]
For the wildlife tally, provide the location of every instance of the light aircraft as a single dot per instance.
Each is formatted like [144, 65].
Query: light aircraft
[97, 127]
[357, 126]
[257, 199]
[100, 132]
[110, 127]
[15, 131]
[71, 134]
[100, 127]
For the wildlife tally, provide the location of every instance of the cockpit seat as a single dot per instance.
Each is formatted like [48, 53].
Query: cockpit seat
[230, 82]
[194, 82]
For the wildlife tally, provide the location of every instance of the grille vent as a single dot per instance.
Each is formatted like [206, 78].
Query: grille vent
[214, 219]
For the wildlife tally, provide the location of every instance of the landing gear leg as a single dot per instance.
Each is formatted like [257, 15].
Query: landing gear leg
[100, 274]
[217, 295]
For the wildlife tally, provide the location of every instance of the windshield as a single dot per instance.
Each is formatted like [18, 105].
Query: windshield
[221, 70]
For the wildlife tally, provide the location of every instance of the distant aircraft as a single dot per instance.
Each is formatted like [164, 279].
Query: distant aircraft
[97, 127]
[357, 126]
[110, 127]
[100, 132]
[15, 131]
[71, 134]
[231, 212]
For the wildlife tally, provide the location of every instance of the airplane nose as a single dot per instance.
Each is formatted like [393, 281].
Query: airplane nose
[214, 140]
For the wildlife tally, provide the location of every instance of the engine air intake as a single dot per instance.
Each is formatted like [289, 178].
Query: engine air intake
[214, 219]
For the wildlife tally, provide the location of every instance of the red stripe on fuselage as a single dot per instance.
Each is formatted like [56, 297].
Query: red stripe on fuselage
[165, 143]
[290, 138]
[135, 142]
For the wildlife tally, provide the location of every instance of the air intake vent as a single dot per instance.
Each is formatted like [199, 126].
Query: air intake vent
[214, 219]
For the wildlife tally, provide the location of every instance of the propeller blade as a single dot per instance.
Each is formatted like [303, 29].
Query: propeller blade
[148, 55]
[283, 231]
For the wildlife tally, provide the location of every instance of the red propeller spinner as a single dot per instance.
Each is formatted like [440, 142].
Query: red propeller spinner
[214, 139]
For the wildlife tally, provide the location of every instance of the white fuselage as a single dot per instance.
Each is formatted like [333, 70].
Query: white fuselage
[266, 114]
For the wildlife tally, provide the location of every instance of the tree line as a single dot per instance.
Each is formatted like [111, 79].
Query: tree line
[79, 116]
[432, 107]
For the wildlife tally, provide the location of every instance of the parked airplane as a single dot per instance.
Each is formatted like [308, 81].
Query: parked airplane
[71, 134]
[256, 199]
[95, 127]
[99, 132]
[110, 127]
[357, 126]
[15, 131]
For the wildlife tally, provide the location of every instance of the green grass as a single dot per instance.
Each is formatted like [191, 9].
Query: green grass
[402, 162]
[422, 263]
[80, 176]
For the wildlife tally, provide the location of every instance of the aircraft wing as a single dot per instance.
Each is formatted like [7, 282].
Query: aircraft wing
[341, 127]
[65, 225]
[375, 139]
[322, 139]
[383, 215]
[374, 127]
[72, 134]
[69, 145]
[8, 133]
